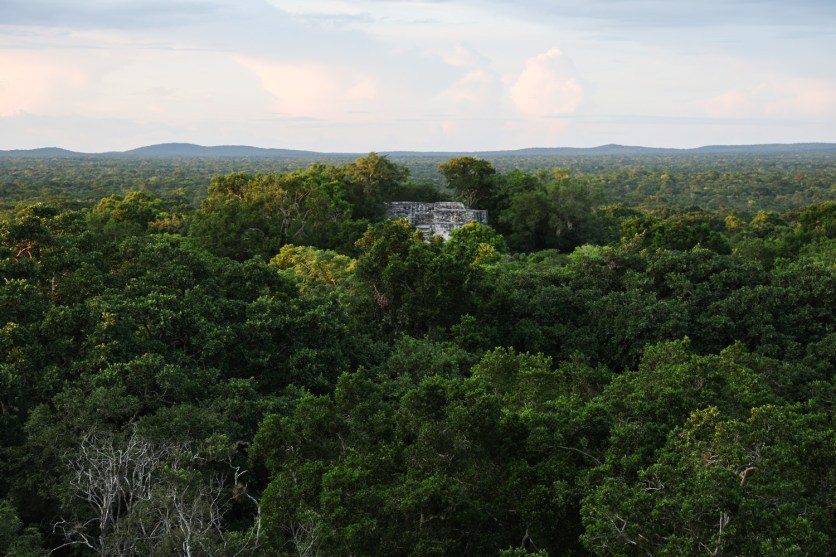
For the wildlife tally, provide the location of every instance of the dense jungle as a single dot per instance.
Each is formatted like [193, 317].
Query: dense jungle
[243, 356]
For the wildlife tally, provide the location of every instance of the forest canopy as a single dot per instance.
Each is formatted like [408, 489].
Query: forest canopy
[244, 357]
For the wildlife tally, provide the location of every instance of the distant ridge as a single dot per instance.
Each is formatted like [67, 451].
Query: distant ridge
[192, 150]
[42, 152]
[767, 148]
[628, 150]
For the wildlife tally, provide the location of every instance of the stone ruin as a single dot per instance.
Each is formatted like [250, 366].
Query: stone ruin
[435, 219]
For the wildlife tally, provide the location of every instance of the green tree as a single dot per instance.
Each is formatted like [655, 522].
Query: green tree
[372, 180]
[476, 243]
[248, 215]
[723, 486]
[313, 266]
[118, 217]
[548, 210]
[470, 178]
[413, 286]
[676, 232]
[14, 538]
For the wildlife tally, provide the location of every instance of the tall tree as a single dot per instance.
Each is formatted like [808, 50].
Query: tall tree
[370, 179]
[472, 179]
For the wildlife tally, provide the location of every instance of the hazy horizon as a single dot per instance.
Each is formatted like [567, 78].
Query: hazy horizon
[164, 149]
[433, 75]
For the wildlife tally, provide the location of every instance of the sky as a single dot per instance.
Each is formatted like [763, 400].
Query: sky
[443, 75]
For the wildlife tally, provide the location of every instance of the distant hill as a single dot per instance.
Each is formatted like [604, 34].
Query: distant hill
[192, 150]
[542, 151]
[627, 150]
[42, 152]
[767, 148]
[611, 149]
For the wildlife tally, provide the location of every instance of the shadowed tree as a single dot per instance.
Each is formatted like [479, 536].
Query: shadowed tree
[369, 180]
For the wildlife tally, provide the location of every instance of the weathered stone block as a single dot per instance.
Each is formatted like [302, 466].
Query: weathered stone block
[435, 219]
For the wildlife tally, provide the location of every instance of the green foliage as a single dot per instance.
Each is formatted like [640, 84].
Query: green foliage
[413, 286]
[378, 394]
[118, 217]
[677, 232]
[372, 180]
[129, 495]
[741, 182]
[403, 476]
[14, 538]
[547, 210]
[476, 243]
[725, 486]
[247, 215]
[517, 379]
[518, 552]
[313, 266]
[470, 178]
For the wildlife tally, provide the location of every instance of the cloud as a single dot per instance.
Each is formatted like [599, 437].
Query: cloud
[803, 97]
[547, 86]
[118, 14]
[29, 82]
[476, 87]
[477, 91]
[788, 98]
[464, 56]
[323, 8]
[645, 13]
[679, 13]
[356, 74]
[314, 89]
[153, 86]
[729, 104]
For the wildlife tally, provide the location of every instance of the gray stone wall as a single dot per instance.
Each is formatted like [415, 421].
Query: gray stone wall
[435, 219]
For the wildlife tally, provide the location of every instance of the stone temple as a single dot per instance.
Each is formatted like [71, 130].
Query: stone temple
[435, 219]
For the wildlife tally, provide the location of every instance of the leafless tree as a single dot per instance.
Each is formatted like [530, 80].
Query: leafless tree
[304, 535]
[142, 498]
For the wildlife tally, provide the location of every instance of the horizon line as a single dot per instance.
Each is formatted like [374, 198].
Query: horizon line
[144, 149]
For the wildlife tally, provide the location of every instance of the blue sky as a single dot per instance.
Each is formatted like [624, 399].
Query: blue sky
[362, 75]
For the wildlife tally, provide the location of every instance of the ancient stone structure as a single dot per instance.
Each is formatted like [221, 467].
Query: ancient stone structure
[435, 219]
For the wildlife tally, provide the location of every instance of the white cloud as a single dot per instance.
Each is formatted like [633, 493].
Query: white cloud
[463, 56]
[143, 86]
[312, 89]
[802, 97]
[366, 89]
[317, 7]
[729, 104]
[547, 86]
[778, 98]
[477, 90]
[33, 82]
[391, 74]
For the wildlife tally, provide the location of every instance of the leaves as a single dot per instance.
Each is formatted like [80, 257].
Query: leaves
[658, 395]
